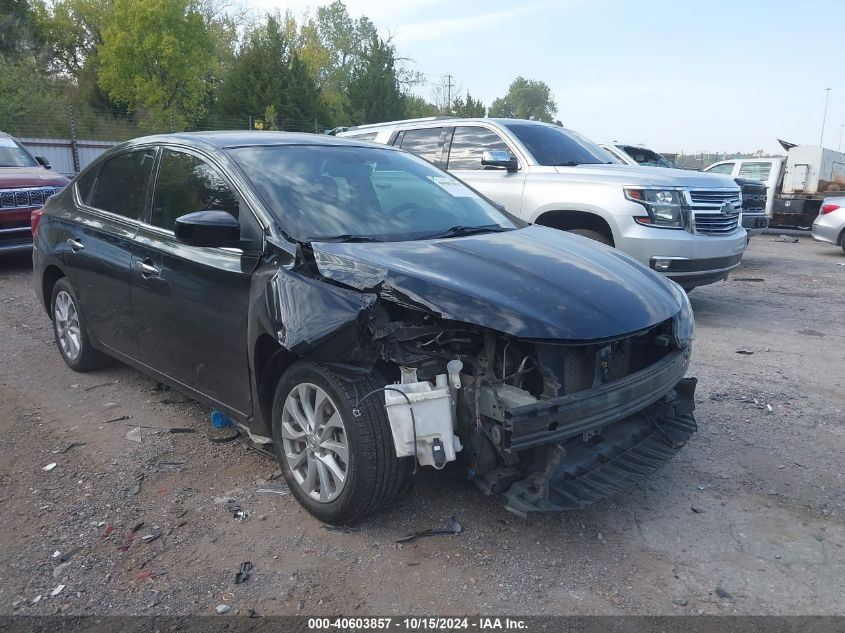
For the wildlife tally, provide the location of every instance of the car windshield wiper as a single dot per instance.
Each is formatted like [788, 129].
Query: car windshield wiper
[459, 231]
[346, 237]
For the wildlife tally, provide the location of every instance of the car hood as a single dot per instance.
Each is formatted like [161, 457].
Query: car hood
[535, 282]
[13, 177]
[652, 176]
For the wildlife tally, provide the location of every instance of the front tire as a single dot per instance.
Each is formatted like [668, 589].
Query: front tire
[338, 466]
[71, 331]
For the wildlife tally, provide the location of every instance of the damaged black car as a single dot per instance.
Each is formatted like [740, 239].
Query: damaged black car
[369, 315]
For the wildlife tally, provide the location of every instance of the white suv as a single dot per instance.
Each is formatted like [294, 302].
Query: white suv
[684, 224]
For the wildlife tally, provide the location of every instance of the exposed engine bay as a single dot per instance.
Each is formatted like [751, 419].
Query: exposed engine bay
[508, 399]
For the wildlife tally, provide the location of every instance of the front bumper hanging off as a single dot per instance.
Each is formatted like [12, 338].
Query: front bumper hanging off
[584, 469]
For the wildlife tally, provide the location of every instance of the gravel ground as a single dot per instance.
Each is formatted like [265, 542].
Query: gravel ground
[747, 520]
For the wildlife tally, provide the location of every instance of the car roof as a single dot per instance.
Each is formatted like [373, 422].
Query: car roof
[447, 120]
[250, 138]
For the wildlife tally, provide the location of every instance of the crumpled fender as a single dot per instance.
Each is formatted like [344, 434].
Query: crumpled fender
[306, 311]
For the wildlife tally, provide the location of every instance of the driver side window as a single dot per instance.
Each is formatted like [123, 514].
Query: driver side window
[185, 184]
[469, 143]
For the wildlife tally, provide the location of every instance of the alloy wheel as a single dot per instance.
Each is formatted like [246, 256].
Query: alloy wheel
[315, 442]
[67, 325]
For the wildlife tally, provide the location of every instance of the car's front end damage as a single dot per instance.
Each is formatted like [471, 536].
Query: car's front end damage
[554, 370]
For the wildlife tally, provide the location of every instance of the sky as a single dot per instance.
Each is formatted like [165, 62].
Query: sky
[678, 76]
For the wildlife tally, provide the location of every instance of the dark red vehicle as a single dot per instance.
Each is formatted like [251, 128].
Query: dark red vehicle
[25, 184]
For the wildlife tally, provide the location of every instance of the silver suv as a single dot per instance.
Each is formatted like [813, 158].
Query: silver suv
[684, 224]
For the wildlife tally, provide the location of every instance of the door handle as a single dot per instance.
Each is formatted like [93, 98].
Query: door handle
[146, 268]
[75, 245]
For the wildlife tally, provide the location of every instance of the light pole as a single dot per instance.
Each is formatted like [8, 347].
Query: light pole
[824, 116]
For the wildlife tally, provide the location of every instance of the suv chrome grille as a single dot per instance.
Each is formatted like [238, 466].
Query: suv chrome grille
[26, 197]
[716, 211]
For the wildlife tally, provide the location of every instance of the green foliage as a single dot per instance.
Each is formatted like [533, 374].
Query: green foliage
[374, 93]
[268, 72]
[526, 99]
[130, 67]
[417, 107]
[157, 57]
[467, 108]
[20, 30]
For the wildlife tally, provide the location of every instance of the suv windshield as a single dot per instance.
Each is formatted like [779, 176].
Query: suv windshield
[553, 145]
[646, 157]
[331, 193]
[13, 155]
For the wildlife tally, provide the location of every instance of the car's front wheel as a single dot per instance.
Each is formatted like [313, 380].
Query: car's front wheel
[339, 467]
[70, 331]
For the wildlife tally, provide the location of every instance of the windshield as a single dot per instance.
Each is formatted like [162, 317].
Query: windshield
[331, 193]
[646, 157]
[13, 155]
[553, 145]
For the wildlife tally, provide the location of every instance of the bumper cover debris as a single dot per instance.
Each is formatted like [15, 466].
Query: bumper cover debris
[578, 473]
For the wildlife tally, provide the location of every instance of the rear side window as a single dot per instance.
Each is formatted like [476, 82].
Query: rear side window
[724, 168]
[185, 184]
[469, 142]
[121, 185]
[423, 143]
[85, 183]
[755, 171]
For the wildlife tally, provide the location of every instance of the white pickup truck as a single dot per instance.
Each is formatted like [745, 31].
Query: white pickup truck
[684, 224]
[795, 185]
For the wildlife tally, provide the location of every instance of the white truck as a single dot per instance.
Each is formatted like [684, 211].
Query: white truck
[796, 184]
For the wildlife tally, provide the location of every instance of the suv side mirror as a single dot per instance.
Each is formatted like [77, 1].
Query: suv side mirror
[208, 228]
[42, 160]
[499, 158]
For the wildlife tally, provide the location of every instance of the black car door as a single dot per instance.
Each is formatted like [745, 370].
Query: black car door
[99, 244]
[191, 303]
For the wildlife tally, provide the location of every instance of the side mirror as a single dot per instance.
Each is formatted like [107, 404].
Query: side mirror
[42, 160]
[208, 228]
[499, 158]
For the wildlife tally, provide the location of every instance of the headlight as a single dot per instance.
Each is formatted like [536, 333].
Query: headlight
[683, 326]
[665, 207]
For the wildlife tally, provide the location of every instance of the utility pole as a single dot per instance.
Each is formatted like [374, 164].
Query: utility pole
[448, 92]
[824, 116]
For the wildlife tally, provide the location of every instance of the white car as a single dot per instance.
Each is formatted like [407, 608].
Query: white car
[684, 224]
[829, 225]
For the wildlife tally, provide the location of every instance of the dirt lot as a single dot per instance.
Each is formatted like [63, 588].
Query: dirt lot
[748, 519]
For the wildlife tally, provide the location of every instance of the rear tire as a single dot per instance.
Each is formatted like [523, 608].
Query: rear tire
[339, 467]
[70, 329]
[593, 235]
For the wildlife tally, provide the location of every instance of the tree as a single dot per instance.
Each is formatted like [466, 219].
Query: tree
[157, 56]
[20, 32]
[374, 92]
[526, 99]
[467, 108]
[268, 72]
[417, 107]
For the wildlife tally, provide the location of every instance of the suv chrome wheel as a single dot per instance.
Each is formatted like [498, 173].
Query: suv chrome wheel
[67, 325]
[315, 443]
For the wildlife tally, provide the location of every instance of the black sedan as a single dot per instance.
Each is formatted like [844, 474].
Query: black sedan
[368, 314]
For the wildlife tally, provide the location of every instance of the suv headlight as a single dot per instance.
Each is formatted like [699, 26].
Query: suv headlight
[683, 324]
[666, 208]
